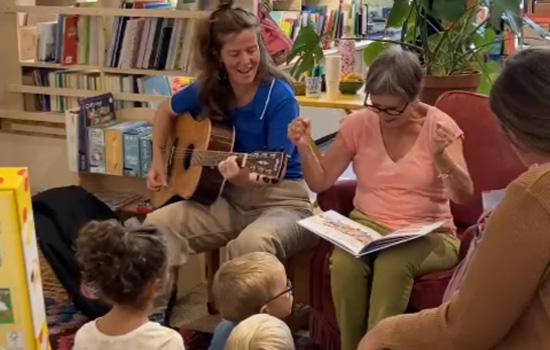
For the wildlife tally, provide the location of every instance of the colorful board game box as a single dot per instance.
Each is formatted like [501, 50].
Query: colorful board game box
[96, 148]
[23, 324]
[114, 145]
[132, 157]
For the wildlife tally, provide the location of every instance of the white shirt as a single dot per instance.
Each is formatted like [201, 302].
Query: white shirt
[149, 336]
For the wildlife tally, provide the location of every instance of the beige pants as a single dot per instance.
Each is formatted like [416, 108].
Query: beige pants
[245, 219]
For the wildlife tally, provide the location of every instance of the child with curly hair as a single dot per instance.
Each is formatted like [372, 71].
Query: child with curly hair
[129, 269]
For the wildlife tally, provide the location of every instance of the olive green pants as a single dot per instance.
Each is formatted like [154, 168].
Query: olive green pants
[376, 286]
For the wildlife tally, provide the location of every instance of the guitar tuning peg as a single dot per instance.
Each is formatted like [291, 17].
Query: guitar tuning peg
[264, 148]
[282, 149]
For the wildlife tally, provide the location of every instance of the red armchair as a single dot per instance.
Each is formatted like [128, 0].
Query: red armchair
[492, 165]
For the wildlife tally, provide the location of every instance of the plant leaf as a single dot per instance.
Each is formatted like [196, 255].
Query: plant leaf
[510, 10]
[398, 14]
[371, 52]
[448, 10]
[483, 39]
[489, 72]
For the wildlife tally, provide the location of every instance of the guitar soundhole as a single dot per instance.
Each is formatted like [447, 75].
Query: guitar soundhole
[188, 157]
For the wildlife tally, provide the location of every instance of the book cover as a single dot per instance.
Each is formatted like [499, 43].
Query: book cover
[93, 111]
[146, 153]
[114, 146]
[132, 156]
[157, 85]
[96, 147]
[358, 239]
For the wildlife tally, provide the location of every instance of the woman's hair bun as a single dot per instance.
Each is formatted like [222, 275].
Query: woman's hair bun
[226, 4]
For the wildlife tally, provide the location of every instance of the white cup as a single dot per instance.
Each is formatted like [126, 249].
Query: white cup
[333, 91]
[332, 68]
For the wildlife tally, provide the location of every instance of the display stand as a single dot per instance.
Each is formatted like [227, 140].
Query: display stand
[23, 324]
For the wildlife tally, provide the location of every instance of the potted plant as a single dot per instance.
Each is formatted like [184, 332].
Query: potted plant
[307, 52]
[452, 42]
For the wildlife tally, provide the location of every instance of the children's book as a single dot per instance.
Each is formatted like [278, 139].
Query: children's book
[358, 239]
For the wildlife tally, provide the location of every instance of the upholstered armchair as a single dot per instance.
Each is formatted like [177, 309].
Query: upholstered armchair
[492, 165]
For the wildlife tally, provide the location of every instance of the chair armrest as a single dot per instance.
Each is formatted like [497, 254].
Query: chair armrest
[339, 197]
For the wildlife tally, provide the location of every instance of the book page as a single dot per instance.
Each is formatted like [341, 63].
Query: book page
[341, 231]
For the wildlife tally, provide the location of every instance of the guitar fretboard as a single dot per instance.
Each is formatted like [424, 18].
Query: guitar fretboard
[213, 158]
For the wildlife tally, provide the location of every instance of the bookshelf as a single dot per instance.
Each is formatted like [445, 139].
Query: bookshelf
[12, 86]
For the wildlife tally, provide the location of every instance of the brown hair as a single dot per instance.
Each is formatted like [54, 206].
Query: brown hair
[215, 92]
[520, 99]
[243, 285]
[395, 72]
[121, 262]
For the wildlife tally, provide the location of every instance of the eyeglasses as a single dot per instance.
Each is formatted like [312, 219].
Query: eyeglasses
[389, 111]
[289, 289]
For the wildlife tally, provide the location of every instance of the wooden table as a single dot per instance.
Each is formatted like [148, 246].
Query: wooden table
[348, 103]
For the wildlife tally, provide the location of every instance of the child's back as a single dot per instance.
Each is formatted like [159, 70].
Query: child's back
[150, 335]
[129, 269]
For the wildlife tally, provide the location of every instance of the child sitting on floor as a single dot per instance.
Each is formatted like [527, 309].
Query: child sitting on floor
[260, 332]
[129, 269]
[251, 284]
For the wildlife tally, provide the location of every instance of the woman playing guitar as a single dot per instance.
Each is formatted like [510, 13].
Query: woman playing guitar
[238, 81]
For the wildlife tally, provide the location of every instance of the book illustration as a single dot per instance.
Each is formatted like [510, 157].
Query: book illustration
[98, 109]
[358, 239]
[6, 307]
[361, 235]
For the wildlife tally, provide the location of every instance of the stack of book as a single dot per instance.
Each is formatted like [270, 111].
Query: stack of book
[99, 143]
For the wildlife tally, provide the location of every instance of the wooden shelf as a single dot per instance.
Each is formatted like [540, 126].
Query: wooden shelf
[106, 12]
[38, 90]
[46, 117]
[137, 71]
[109, 70]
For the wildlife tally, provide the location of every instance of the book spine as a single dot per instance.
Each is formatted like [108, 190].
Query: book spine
[146, 154]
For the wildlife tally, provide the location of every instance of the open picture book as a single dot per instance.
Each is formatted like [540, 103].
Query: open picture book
[358, 239]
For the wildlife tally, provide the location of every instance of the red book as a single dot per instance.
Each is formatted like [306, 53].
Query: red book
[70, 40]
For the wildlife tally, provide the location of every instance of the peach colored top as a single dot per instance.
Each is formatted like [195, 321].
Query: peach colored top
[400, 193]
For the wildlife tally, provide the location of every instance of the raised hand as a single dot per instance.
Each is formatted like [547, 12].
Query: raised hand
[443, 138]
[299, 131]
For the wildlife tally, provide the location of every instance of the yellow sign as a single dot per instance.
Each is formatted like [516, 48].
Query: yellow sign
[23, 324]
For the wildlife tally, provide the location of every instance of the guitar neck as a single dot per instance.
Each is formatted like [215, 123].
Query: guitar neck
[213, 158]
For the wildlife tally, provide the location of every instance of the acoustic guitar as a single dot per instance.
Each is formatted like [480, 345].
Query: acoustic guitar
[193, 153]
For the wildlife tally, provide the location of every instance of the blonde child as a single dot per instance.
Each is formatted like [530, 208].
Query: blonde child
[129, 269]
[261, 332]
[250, 284]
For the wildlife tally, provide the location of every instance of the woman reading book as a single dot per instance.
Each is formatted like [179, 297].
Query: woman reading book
[238, 82]
[409, 162]
[504, 300]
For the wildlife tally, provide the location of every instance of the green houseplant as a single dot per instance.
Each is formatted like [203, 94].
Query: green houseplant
[306, 54]
[452, 43]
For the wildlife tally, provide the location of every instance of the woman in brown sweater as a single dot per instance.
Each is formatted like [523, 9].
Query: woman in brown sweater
[504, 300]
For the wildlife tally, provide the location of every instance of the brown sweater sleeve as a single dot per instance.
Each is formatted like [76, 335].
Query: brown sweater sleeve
[501, 282]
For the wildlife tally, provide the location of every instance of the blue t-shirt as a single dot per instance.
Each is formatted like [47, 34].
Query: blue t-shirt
[260, 124]
[221, 334]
